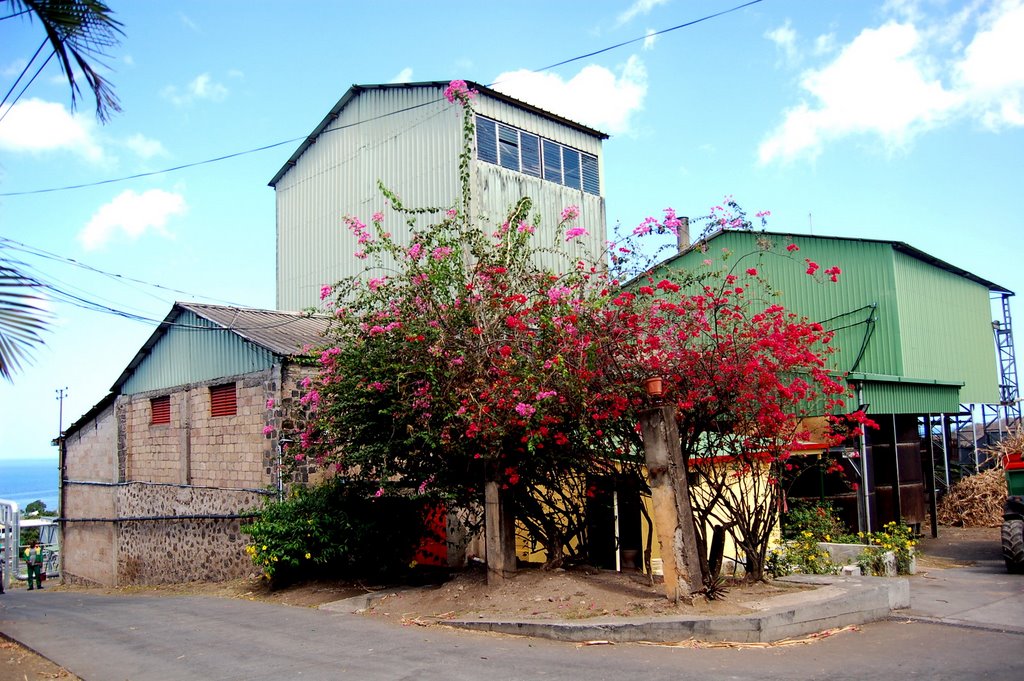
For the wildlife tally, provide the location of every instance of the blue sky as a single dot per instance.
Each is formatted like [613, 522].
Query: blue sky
[899, 120]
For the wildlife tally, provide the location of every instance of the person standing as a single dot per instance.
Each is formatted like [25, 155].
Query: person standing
[34, 560]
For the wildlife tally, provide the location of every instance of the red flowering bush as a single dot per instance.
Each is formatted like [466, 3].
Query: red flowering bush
[456, 360]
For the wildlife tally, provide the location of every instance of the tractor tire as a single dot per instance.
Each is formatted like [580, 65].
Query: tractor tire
[1013, 545]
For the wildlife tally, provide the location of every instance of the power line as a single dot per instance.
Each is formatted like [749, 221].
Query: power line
[350, 125]
[39, 252]
[645, 37]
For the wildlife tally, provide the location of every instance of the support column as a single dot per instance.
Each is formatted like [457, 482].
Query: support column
[670, 496]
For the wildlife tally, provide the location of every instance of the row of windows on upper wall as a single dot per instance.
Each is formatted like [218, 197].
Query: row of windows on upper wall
[529, 154]
[223, 402]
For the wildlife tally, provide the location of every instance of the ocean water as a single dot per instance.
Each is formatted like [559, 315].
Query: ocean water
[26, 480]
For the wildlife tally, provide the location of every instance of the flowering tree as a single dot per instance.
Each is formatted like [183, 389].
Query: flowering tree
[457, 363]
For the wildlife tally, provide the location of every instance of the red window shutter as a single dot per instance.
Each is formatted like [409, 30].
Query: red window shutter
[160, 410]
[223, 401]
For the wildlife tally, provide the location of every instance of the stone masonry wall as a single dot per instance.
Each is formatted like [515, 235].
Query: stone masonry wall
[183, 549]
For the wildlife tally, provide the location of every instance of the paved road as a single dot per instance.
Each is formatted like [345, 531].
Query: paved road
[964, 623]
[145, 638]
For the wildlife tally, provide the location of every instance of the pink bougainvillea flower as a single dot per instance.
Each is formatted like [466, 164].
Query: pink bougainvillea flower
[457, 90]
[270, 403]
[792, 248]
[574, 232]
[441, 252]
[752, 271]
[570, 213]
[267, 430]
[378, 217]
[525, 410]
[325, 292]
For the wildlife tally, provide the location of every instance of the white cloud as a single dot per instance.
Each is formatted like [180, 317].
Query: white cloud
[636, 9]
[825, 43]
[133, 215]
[404, 76]
[911, 76]
[202, 87]
[992, 70]
[595, 96]
[784, 38]
[650, 39]
[145, 147]
[35, 125]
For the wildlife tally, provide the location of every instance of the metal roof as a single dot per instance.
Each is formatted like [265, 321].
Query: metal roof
[281, 333]
[355, 90]
[899, 246]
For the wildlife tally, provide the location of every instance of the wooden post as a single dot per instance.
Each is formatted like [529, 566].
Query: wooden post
[499, 534]
[670, 498]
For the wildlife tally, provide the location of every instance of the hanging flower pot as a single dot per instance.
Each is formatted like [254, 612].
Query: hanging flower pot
[655, 386]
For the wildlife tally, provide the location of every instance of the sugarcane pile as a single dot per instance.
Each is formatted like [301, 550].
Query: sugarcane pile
[977, 500]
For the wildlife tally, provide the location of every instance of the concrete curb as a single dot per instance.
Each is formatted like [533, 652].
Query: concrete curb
[838, 601]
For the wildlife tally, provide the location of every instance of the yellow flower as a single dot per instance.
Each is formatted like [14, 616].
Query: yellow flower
[308, 555]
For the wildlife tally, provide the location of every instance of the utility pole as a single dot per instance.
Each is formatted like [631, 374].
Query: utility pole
[61, 394]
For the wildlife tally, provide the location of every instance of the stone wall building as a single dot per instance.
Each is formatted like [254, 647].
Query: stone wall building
[158, 477]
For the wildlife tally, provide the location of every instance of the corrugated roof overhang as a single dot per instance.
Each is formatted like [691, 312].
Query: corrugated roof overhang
[901, 395]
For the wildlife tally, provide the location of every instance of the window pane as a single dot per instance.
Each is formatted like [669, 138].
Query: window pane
[508, 147]
[571, 161]
[531, 153]
[591, 178]
[552, 161]
[486, 140]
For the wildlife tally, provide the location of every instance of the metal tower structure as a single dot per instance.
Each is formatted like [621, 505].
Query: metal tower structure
[1009, 395]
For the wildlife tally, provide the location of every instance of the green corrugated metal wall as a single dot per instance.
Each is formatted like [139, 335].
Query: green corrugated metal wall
[893, 315]
[946, 324]
[194, 350]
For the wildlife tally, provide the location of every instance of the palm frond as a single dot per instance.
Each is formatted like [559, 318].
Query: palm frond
[22, 320]
[80, 31]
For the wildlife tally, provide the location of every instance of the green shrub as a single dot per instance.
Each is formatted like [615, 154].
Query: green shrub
[336, 529]
[893, 537]
[803, 527]
[820, 520]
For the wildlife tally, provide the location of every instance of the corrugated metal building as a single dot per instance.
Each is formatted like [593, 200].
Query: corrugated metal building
[914, 333]
[409, 137]
[158, 476]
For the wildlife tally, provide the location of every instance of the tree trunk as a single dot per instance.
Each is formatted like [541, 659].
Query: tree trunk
[671, 500]
[500, 533]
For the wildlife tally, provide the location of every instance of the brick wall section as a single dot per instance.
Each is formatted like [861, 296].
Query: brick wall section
[91, 456]
[197, 448]
[229, 451]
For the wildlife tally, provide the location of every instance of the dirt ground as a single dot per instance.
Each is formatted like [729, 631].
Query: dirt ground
[531, 594]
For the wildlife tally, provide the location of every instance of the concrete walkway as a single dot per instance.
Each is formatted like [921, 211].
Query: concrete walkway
[834, 602]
